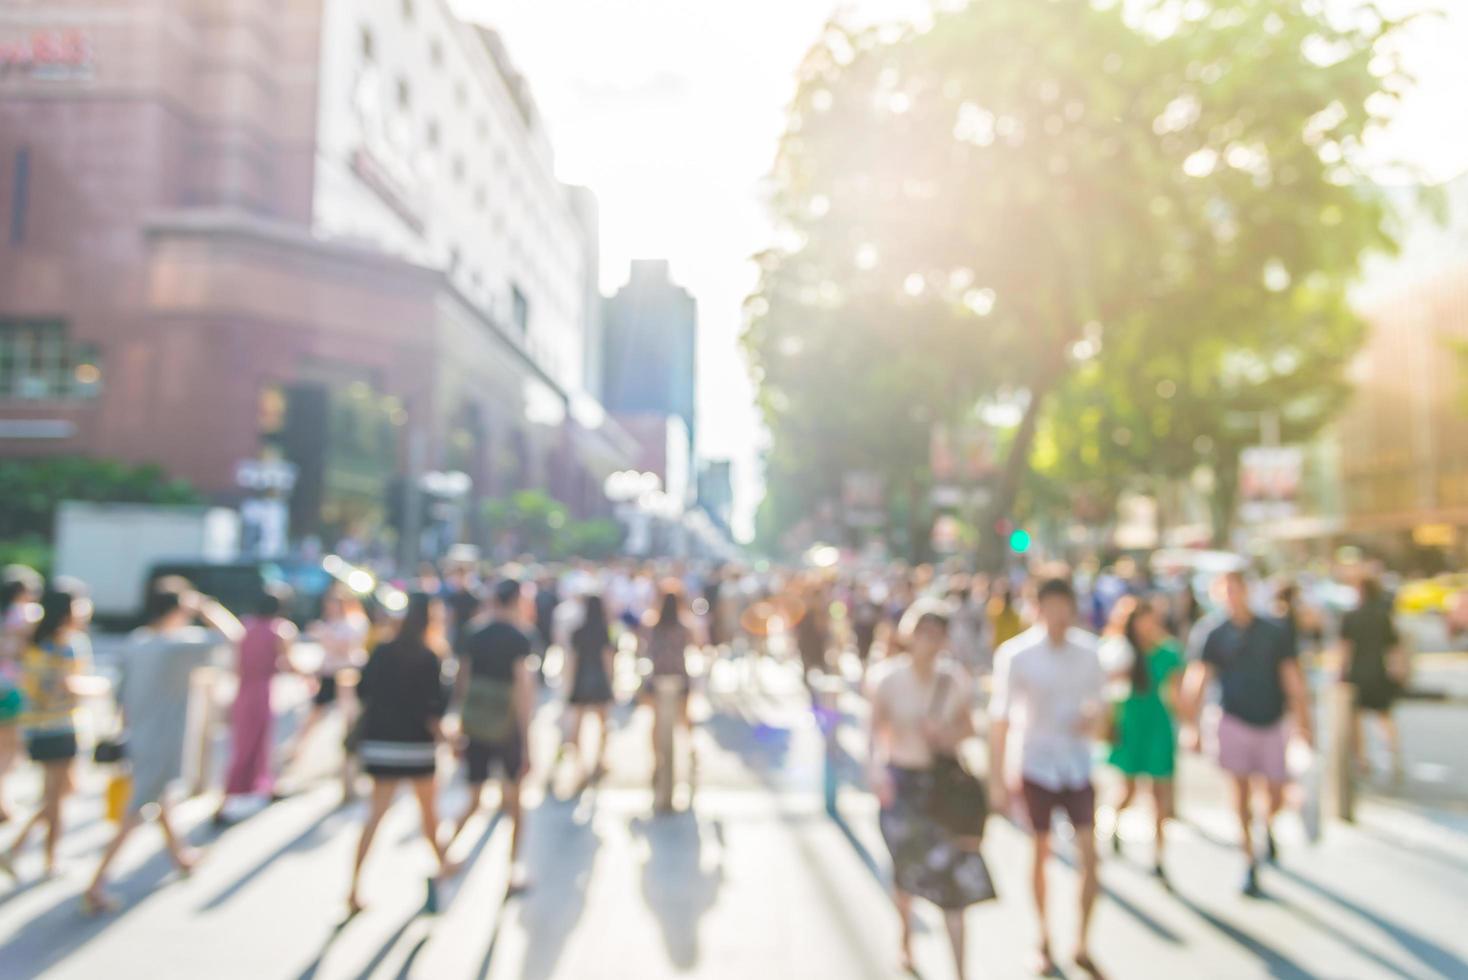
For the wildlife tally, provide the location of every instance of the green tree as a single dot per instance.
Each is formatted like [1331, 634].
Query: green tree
[978, 209]
[30, 489]
[538, 524]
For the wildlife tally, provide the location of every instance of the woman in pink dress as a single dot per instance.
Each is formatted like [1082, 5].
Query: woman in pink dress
[264, 650]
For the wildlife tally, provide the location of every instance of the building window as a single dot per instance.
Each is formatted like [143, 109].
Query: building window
[405, 95]
[369, 48]
[39, 361]
[407, 9]
[480, 197]
[461, 94]
[519, 311]
[20, 194]
[433, 134]
[459, 167]
[482, 129]
[435, 53]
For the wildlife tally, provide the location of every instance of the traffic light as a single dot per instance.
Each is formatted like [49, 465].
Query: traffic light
[1019, 541]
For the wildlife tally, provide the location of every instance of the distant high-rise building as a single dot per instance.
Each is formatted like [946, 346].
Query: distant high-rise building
[716, 491]
[649, 336]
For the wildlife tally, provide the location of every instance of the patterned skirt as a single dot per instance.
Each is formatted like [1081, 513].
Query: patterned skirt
[928, 861]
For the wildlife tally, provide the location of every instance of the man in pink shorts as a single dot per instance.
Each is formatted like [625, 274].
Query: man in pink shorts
[1258, 671]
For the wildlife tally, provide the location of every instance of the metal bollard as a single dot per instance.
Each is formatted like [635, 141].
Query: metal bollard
[667, 701]
[1340, 785]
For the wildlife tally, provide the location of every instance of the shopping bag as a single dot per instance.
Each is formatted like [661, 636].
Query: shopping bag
[1304, 765]
[119, 791]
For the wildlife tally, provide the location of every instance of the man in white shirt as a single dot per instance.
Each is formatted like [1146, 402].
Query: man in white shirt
[1048, 691]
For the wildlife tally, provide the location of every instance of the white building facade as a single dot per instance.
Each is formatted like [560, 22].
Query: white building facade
[430, 146]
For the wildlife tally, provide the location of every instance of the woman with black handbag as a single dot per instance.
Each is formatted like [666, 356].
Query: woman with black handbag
[932, 809]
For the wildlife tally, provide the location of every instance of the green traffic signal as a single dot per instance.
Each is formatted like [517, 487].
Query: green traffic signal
[1019, 541]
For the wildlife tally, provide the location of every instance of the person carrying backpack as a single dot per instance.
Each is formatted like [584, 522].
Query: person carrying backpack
[496, 693]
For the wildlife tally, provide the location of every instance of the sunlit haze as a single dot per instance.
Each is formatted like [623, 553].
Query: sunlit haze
[671, 110]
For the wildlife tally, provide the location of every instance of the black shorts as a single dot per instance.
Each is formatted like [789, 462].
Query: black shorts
[1041, 803]
[51, 746]
[326, 692]
[503, 759]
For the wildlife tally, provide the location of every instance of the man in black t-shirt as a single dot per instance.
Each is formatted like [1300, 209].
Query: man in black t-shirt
[1257, 667]
[462, 596]
[496, 695]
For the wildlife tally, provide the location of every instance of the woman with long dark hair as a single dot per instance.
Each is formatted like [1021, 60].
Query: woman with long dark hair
[1146, 729]
[51, 666]
[589, 679]
[403, 703]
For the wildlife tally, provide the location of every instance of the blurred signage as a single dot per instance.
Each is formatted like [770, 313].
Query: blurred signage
[47, 55]
[1434, 535]
[1269, 482]
[265, 474]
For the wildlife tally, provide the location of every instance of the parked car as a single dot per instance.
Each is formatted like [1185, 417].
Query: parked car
[239, 585]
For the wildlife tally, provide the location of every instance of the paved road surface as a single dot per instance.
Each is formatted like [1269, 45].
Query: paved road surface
[753, 879]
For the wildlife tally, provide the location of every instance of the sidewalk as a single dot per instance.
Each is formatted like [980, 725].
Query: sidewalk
[755, 880]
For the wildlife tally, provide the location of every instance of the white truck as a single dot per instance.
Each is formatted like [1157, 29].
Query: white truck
[113, 547]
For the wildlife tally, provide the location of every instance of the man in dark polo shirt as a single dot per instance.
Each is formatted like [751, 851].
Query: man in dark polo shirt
[496, 695]
[1258, 671]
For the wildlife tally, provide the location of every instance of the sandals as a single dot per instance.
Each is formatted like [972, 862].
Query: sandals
[1085, 963]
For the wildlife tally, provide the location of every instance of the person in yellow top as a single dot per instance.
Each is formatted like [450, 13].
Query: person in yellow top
[53, 676]
[1004, 620]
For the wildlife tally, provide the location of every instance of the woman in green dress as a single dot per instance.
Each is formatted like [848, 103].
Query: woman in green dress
[1146, 732]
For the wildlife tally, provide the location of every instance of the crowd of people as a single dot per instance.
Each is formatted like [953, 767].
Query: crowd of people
[1048, 666]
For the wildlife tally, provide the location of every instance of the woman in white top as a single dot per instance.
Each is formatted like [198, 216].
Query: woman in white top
[921, 710]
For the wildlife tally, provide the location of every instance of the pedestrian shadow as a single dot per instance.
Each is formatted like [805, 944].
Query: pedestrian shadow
[676, 885]
[1426, 951]
[392, 941]
[20, 889]
[35, 947]
[1313, 921]
[1141, 915]
[563, 843]
[1279, 965]
[863, 853]
[735, 729]
[1435, 856]
[312, 835]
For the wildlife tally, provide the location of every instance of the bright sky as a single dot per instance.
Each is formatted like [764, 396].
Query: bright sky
[670, 111]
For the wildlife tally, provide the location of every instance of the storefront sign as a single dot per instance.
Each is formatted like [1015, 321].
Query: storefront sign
[47, 55]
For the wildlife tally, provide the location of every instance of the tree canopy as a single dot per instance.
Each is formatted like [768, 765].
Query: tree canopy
[1134, 222]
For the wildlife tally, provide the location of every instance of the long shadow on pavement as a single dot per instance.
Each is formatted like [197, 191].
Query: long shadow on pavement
[1430, 953]
[386, 948]
[310, 836]
[1278, 964]
[1132, 909]
[564, 845]
[61, 930]
[676, 886]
